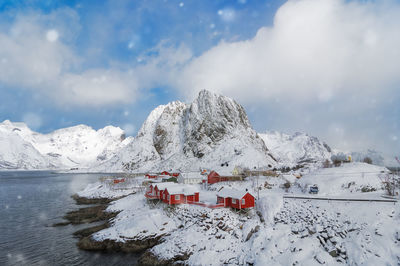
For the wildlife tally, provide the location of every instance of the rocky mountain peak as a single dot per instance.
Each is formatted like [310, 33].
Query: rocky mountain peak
[209, 119]
[208, 132]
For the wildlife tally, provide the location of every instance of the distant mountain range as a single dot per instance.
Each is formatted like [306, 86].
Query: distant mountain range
[74, 147]
[211, 132]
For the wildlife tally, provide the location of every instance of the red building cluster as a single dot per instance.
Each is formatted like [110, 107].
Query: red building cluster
[164, 173]
[172, 193]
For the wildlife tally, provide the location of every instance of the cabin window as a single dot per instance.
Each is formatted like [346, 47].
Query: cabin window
[243, 202]
[168, 197]
[233, 201]
[177, 197]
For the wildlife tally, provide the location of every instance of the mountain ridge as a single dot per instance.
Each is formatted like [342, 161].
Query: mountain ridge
[213, 131]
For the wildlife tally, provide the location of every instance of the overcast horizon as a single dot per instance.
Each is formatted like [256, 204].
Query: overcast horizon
[328, 68]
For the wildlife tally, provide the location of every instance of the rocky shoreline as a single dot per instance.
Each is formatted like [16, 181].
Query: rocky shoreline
[97, 213]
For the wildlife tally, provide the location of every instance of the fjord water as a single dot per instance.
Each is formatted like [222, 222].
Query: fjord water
[30, 202]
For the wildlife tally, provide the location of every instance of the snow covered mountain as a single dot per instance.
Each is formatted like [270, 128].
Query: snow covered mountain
[295, 149]
[213, 131]
[78, 146]
[17, 153]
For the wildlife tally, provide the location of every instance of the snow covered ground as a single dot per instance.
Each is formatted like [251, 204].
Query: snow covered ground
[278, 231]
[107, 189]
[346, 180]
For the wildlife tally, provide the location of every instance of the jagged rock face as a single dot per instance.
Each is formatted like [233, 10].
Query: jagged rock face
[209, 119]
[211, 130]
[167, 129]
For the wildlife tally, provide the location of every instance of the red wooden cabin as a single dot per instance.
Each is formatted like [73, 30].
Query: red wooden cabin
[179, 194]
[151, 192]
[150, 176]
[170, 174]
[160, 187]
[120, 180]
[214, 177]
[235, 198]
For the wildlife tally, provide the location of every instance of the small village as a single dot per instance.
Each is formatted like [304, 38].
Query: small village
[251, 210]
[184, 192]
[196, 188]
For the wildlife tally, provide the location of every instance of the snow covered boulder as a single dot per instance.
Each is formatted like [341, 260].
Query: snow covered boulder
[269, 205]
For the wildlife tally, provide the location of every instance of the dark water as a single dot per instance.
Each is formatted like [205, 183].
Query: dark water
[30, 202]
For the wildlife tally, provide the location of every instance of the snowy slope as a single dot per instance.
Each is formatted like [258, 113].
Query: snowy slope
[297, 148]
[16, 153]
[346, 179]
[213, 129]
[78, 146]
[292, 231]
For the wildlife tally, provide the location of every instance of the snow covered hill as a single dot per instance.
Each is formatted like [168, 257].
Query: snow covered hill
[347, 179]
[295, 149]
[210, 131]
[78, 146]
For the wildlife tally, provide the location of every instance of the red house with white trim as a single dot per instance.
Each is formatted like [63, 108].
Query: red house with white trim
[158, 189]
[178, 194]
[235, 198]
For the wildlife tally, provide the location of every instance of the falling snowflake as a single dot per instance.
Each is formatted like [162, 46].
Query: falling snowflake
[227, 14]
[52, 35]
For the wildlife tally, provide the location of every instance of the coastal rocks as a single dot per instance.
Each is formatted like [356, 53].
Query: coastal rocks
[91, 230]
[85, 201]
[134, 245]
[148, 258]
[89, 215]
[99, 213]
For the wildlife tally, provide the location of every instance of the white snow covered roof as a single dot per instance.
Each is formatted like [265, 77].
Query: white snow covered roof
[181, 189]
[164, 185]
[232, 193]
[192, 175]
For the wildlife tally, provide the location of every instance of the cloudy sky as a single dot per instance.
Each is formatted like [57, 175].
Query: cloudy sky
[330, 68]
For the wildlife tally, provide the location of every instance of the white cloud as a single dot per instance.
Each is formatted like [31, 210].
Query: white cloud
[326, 67]
[97, 87]
[34, 57]
[315, 50]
